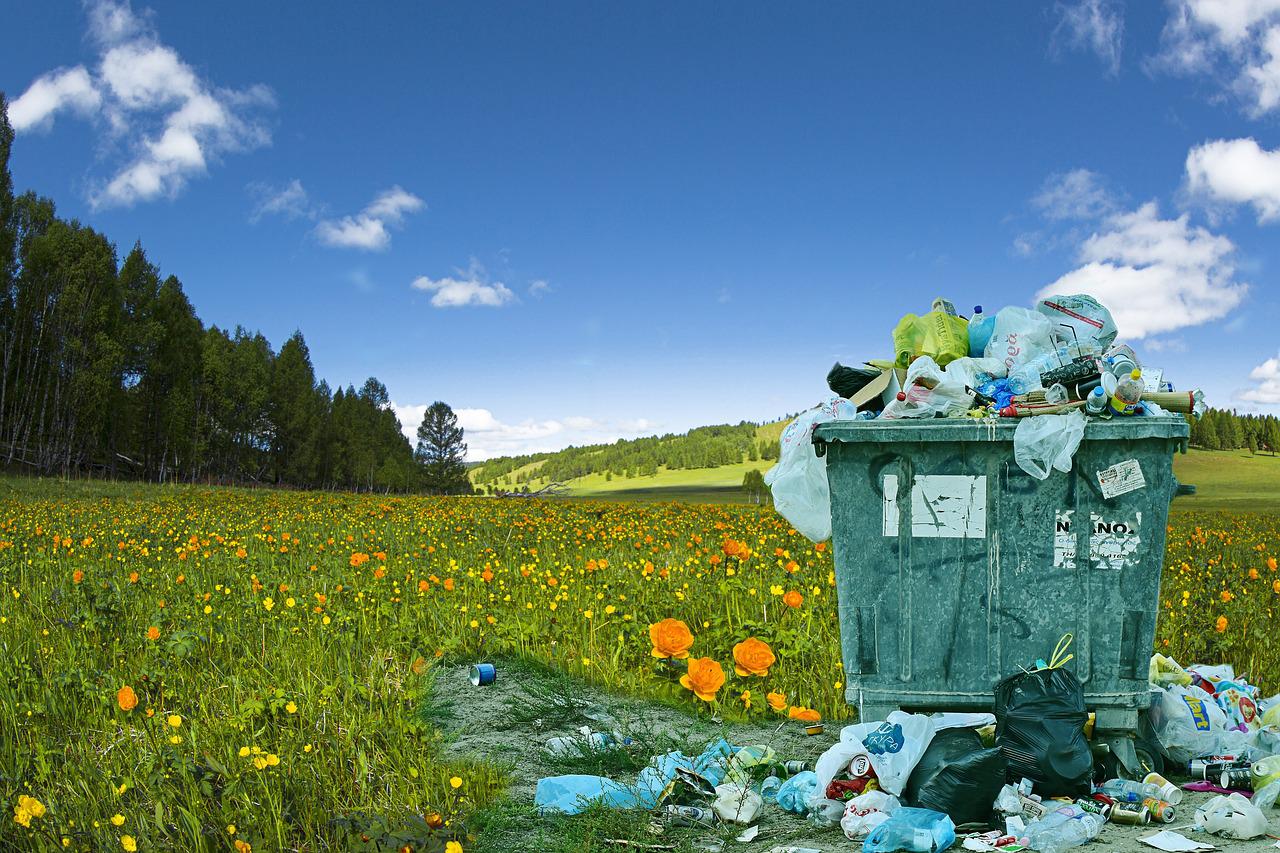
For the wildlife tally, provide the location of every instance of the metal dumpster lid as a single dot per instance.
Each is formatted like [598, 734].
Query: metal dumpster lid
[990, 429]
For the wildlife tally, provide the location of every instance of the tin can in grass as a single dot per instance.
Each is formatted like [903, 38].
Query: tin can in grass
[1130, 814]
[483, 674]
[813, 729]
[690, 816]
[1236, 779]
[795, 766]
[1103, 810]
[1161, 812]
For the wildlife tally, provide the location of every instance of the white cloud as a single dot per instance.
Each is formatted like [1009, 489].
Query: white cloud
[538, 287]
[458, 293]
[1236, 39]
[65, 89]
[487, 436]
[1092, 25]
[1078, 194]
[1155, 275]
[1237, 171]
[172, 122]
[367, 230]
[1165, 345]
[1267, 391]
[290, 201]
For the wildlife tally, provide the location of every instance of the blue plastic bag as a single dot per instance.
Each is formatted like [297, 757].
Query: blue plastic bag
[571, 794]
[912, 830]
[795, 793]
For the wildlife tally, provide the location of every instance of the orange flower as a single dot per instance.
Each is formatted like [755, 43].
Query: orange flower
[126, 698]
[752, 657]
[793, 599]
[423, 586]
[777, 701]
[358, 559]
[153, 633]
[133, 577]
[77, 576]
[704, 678]
[1253, 574]
[803, 714]
[1271, 563]
[448, 584]
[486, 575]
[670, 638]
[1221, 624]
[379, 573]
[1226, 595]
[1275, 586]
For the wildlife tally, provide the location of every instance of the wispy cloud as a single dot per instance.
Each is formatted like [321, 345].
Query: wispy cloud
[469, 287]
[367, 229]
[538, 288]
[172, 122]
[487, 436]
[1078, 194]
[1237, 41]
[1267, 387]
[1096, 26]
[1155, 275]
[290, 201]
[1236, 171]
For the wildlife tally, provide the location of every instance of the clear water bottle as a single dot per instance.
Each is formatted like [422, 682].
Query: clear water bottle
[1129, 791]
[769, 789]
[1096, 402]
[1063, 829]
[980, 328]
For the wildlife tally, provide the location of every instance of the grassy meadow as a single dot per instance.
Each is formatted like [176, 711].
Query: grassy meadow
[223, 669]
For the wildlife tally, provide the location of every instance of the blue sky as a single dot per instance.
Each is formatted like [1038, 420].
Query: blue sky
[579, 221]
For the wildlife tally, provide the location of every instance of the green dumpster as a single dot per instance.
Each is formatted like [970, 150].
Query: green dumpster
[955, 568]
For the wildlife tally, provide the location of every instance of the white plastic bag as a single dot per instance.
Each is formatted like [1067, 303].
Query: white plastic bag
[1079, 319]
[895, 746]
[1188, 723]
[836, 760]
[737, 804]
[929, 392]
[867, 811]
[1044, 442]
[799, 480]
[1231, 816]
[967, 370]
[1019, 336]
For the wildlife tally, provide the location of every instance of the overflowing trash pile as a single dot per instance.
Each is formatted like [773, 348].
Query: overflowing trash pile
[1025, 777]
[1050, 369]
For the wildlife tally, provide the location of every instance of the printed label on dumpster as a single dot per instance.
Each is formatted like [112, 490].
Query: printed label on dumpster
[1121, 478]
[943, 506]
[1112, 544]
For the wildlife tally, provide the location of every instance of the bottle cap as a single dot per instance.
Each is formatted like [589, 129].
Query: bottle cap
[1136, 374]
[1098, 393]
[977, 309]
[901, 396]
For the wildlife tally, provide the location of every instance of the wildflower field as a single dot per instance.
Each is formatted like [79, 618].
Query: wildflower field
[196, 669]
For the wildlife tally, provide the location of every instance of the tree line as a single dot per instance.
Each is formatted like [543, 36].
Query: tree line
[703, 447]
[1220, 429]
[106, 368]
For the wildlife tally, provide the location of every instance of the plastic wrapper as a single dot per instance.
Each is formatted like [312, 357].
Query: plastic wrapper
[1166, 672]
[835, 762]
[737, 804]
[795, 793]
[867, 811]
[799, 480]
[1188, 723]
[957, 776]
[1040, 717]
[1045, 442]
[1231, 816]
[939, 335]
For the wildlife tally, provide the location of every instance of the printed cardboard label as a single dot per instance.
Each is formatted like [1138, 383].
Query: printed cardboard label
[943, 506]
[1121, 478]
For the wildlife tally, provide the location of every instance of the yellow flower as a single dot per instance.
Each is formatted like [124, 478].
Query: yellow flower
[31, 805]
[291, 707]
[272, 759]
[746, 699]
[244, 752]
[268, 603]
[452, 847]
[128, 843]
[117, 820]
[455, 782]
[231, 829]
[174, 720]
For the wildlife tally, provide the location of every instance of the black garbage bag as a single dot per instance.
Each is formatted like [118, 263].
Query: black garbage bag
[847, 381]
[1040, 717]
[957, 775]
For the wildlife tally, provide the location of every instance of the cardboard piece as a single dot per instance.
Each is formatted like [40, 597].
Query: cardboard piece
[882, 388]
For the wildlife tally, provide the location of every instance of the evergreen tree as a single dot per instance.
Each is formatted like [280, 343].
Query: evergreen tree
[441, 452]
[1273, 435]
[296, 428]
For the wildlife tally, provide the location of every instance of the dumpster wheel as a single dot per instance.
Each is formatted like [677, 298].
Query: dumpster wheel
[1124, 756]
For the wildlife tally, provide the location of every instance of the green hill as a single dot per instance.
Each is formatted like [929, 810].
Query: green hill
[1232, 480]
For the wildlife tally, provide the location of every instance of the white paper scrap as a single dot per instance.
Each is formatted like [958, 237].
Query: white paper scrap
[1175, 842]
[1121, 478]
[749, 834]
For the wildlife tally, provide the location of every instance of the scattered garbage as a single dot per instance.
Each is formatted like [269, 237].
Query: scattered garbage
[912, 830]
[1231, 816]
[867, 811]
[483, 674]
[795, 793]
[737, 804]
[1175, 842]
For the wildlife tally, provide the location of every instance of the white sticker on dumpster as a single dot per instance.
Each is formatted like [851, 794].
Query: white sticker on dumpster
[945, 506]
[1121, 478]
[1112, 544]
[1064, 541]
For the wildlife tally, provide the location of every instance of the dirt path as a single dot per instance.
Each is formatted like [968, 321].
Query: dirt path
[510, 722]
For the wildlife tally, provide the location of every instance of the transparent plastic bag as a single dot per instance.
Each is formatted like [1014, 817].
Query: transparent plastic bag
[795, 793]
[1044, 442]
[913, 830]
[929, 391]
[799, 480]
[1079, 319]
[1020, 335]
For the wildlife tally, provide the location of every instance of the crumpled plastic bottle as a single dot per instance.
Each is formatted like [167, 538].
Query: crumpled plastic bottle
[1063, 829]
